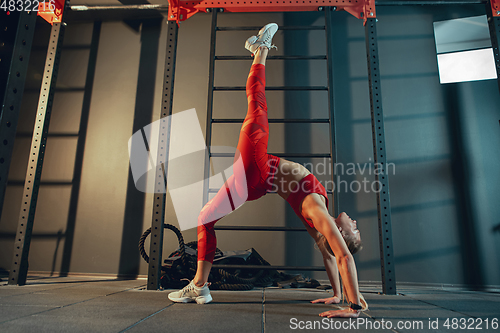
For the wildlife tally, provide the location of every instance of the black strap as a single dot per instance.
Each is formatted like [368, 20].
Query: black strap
[355, 306]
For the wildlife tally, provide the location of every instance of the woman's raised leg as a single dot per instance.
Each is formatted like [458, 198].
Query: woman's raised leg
[245, 168]
[206, 232]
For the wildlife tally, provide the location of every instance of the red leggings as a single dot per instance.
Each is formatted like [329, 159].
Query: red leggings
[253, 169]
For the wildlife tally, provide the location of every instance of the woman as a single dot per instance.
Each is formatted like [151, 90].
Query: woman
[256, 173]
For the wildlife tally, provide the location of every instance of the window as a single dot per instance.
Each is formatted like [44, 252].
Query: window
[464, 51]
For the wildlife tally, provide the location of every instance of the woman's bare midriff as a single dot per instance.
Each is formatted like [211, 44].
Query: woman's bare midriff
[287, 177]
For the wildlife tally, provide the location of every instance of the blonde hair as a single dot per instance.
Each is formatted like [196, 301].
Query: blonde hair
[351, 243]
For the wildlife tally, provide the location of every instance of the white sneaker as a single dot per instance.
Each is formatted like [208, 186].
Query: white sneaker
[192, 293]
[264, 38]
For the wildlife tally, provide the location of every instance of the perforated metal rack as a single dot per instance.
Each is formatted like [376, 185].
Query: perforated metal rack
[22, 242]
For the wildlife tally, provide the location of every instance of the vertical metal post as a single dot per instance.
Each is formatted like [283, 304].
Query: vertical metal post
[19, 268]
[210, 104]
[15, 49]
[331, 103]
[380, 158]
[493, 12]
[160, 195]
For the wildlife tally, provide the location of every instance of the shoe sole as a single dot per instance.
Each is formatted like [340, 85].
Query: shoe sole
[198, 300]
[262, 31]
[204, 299]
[267, 27]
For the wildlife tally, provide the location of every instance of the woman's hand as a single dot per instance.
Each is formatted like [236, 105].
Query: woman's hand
[344, 313]
[329, 300]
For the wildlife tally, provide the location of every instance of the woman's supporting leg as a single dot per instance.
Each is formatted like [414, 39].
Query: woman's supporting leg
[249, 147]
[220, 205]
[202, 272]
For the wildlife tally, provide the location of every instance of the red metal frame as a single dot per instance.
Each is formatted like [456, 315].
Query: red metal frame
[495, 8]
[51, 11]
[179, 10]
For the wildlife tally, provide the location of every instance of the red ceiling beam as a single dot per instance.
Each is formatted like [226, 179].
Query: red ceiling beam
[495, 7]
[179, 10]
[51, 11]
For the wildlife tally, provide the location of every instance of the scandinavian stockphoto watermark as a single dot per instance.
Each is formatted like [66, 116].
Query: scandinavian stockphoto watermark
[172, 151]
[363, 172]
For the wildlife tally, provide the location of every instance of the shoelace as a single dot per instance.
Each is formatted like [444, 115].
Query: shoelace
[192, 286]
[187, 288]
[269, 47]
[266, 42]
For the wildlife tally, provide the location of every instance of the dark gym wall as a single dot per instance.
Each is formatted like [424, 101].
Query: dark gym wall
[441, 139]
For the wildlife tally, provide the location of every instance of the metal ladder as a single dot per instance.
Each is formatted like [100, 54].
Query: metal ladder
[331, 120]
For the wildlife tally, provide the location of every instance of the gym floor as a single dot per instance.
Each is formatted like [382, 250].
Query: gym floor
[94, 304]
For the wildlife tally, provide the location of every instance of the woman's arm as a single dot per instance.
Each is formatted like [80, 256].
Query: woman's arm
[333, 274]
[324, 223]
[330, 267]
